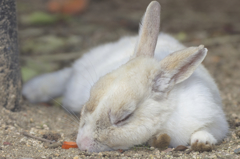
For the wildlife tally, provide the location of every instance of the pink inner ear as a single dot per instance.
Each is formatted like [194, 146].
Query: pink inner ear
[188, 67]
[162, 83]
[177, 67]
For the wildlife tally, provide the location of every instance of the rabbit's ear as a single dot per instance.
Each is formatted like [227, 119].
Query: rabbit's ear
[148, 32]
[178, 66]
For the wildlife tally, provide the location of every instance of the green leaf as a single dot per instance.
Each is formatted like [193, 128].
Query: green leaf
[39, 18]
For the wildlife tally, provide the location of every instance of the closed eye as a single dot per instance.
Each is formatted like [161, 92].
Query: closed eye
[120, 122]
[82, 123]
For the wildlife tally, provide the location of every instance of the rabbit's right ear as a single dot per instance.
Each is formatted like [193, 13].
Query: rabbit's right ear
[177, 67]
[148, 32]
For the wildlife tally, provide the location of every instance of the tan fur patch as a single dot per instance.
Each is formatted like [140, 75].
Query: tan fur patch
[121, 85]
[98, 91]
[175, 59]
[162, 141]
[196, 146]
[171, 62]
[149, 31]
[91, 105]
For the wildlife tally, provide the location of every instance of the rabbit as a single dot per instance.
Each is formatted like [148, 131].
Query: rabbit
[134, 98]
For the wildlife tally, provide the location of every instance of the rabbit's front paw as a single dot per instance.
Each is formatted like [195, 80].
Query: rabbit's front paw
[202, 141]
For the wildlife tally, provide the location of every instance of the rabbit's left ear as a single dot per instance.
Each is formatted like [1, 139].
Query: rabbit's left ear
[148, 32]
[177, 67]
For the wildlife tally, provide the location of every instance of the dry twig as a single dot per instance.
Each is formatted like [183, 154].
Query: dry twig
[38, 138]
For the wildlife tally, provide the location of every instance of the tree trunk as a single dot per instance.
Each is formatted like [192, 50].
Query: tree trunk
[10, 77]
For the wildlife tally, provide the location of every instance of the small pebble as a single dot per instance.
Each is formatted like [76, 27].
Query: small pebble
[56, 155]
[176, 155]
[7, 143]
[168, 150]
[52, 136]
[180, 148]
[238, 133]
[212, 156]
[237, 124]
[151, 156]
[31, 120]
[188, 151]
[120, 150]
[237, 151]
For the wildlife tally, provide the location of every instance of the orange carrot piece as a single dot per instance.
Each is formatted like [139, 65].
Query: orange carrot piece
[69, 144]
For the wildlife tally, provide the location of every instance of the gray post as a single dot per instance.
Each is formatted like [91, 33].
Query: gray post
[10, 77]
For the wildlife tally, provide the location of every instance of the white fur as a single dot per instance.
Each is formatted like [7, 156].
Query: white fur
[128, 102]
[47, 86]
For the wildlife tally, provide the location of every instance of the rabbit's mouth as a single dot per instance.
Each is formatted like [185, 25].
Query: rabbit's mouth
[86, 144]
[86, 141]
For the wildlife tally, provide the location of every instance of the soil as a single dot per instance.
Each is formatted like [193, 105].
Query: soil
[214, 24]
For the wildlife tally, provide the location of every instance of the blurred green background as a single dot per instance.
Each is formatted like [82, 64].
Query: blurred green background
[52, 39]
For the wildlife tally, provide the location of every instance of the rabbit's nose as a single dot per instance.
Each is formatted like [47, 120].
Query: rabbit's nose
[84, 143]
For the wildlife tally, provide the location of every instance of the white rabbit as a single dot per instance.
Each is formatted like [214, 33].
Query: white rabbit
[135, 101]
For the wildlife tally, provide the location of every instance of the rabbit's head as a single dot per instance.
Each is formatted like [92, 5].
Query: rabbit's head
[129, 105]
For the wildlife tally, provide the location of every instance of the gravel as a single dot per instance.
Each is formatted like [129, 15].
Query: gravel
[212, 23]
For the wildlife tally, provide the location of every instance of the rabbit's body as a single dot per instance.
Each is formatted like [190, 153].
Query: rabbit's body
[197, 106]
[136, 101]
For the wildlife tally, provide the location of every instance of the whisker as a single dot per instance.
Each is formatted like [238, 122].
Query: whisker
[84, 86]
[71, 114]
[72, 117]
[73, 124]
[67, 113]
[87, 80]
[83, 66]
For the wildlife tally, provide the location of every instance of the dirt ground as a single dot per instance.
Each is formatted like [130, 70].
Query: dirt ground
[49, 45]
